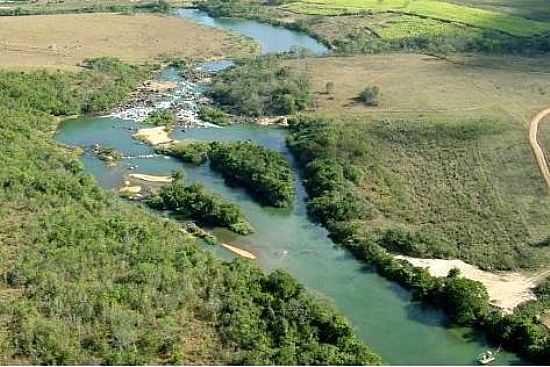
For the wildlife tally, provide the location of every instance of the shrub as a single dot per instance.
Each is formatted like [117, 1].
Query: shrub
[369, 96]
[161, 118]
[214, 115]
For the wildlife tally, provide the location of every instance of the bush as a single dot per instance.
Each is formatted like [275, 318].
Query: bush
[369, 96]
[189, 152]
[416, 244]
[161, 118]
[214, 115]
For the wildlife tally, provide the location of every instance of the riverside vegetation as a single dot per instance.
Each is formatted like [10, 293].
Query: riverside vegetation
[122, 286]
[195, 203]
[261, 86]
[264, 173]
[333, 159]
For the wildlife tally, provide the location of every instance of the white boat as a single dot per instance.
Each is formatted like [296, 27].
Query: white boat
[487, 357]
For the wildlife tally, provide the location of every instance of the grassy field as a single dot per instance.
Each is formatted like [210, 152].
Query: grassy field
[437, 10]
[468, 87]
[446, 150]
[62, 41]
[533, 9]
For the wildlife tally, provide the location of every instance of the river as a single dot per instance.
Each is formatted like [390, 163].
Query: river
[381, 312]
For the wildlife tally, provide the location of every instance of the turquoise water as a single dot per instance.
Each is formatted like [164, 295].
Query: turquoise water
[270, 38]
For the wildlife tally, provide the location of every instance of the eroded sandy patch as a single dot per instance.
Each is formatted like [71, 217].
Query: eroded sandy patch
[506, 289]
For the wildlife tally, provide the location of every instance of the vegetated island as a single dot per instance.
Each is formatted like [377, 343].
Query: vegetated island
[194, 202]
[264, 173]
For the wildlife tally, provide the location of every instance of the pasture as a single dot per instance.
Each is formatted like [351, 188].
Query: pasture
[436, 10]
[446, 152]
[532, 9]
[63, 41]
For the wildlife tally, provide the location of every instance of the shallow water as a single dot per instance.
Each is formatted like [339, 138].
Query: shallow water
[270, 38]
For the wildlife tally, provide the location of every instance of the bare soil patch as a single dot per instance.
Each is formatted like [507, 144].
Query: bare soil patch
[63, 41]
[506, 289]
[537, 149]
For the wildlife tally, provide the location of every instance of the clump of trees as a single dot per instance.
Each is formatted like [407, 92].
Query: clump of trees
[264, 173]
[214, 115]
[194, 202]
[164, 117]
[108, 82]
[262, 86]
[189, 152]
[330, 181]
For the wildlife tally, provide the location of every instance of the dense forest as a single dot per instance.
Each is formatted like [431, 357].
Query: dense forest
[263, 172]
[332, 173]
[90, 279]
[194, 202]
[261, 86]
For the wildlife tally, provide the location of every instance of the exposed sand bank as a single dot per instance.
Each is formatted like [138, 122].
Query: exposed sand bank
[154, 136]
[506, 289]
[150, 178]
[239, 251]
[130, 190]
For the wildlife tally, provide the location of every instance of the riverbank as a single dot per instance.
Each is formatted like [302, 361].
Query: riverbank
[506, 290]
[336, 201]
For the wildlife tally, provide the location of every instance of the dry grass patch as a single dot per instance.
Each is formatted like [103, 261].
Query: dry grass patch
[62, 41]
[413, 85]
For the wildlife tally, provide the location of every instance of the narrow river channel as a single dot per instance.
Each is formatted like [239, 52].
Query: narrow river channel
[381, 311]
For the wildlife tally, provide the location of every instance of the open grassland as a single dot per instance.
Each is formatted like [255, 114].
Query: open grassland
[446, 151]
[78, 6]
[62, 41]
[533, 9]
[417, 86]
[437, 10]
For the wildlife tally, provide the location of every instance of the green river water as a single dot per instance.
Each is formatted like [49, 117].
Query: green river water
[382, 313]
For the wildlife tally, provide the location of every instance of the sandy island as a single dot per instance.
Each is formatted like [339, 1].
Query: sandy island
[150, 178]
[506, 289]
[154, 135]
[239, 251]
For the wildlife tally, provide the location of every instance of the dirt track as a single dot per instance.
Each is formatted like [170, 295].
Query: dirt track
[537, 149]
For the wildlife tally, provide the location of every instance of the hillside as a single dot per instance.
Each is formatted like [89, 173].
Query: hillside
[90, 279]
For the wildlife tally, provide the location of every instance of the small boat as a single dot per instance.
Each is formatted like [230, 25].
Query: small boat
[487, 357]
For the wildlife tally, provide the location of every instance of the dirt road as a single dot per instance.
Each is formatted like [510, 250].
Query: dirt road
[537, 149]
